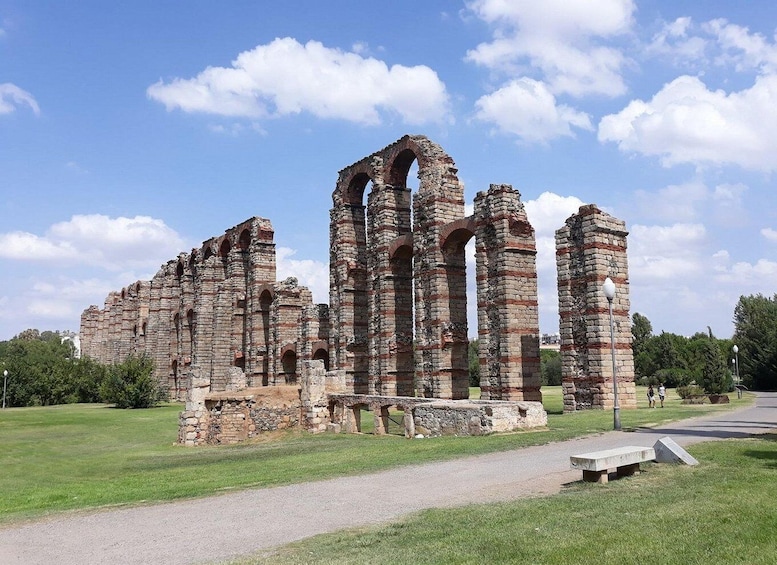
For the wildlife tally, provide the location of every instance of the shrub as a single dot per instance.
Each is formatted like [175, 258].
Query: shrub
[131, 385]
[689, 390]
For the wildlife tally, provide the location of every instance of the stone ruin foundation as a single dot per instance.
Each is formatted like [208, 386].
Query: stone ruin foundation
[251, 355]
[589, 248]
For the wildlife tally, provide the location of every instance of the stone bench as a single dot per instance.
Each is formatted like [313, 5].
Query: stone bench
[625, 460]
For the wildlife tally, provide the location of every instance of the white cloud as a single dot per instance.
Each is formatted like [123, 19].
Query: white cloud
[673, 203]
[560, 38]
[285, 77]
[12, 96]
[770, 234]
[546, 214]
[110, 243]
[527, 109]
[309, 273]
[664, 253]
[549, 211]
[674, 40]
[687, 123]
[742, 49]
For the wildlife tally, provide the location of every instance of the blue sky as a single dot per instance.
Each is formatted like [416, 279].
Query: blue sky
[132, 131]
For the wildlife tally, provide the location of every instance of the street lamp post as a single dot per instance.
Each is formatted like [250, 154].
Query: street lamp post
[5, 381]
[609, 292]
[735, 349]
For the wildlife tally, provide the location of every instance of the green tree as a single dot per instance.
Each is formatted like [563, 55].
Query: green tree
[550, 366]
[642, 331]
[755, 334]
[131, 385]
[715, 378]
[474, 362]
[43, 371]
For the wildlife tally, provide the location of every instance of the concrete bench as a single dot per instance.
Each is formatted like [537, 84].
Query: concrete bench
[625, 460]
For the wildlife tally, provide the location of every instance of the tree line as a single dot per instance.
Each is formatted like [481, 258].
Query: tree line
[708, 361]
[43, 370]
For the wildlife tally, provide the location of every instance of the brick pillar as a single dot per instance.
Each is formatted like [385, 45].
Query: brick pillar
[261, 277]
[440, 281]
[390, 291]
[348, 287]
[590, 247]
[508, 318]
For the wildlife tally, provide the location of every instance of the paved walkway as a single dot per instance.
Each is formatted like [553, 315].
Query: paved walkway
[223, 527]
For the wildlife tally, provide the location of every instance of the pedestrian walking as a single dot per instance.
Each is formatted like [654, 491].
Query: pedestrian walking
[661, 393]
[651, 394]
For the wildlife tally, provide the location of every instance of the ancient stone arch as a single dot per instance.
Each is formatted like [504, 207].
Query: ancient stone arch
[398, 280]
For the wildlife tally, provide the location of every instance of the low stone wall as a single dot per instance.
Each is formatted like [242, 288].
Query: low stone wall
[476, 417]
[231, 417]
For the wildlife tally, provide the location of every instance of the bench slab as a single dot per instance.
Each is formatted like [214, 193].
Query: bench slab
[625, 460]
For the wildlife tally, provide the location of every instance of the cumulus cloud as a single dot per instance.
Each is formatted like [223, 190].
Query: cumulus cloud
[769, 234]
[309, 273]
[546, 214]
[663, 253]
[285, 77]
[11, 96]
[740, 48]
[676, 41]
[685, 122]
[527, 109]
[561, 39]
[111, 243]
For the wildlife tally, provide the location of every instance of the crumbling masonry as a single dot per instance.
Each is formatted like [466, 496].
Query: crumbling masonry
[589, 248]
[221, 329]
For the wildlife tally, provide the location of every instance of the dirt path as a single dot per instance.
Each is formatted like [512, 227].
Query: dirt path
[223, 527]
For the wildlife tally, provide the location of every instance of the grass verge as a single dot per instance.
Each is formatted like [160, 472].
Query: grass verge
[718, 512]
[85, 456]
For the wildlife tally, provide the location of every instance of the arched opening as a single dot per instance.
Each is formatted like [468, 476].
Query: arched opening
[225, 248]
[322, 354]
[174, 388]
[244, 241]
[289, 365]
[189, 335]
[177, 326]
[265, 300]
[455, 335]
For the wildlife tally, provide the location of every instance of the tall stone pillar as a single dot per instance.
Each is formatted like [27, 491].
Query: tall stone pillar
[589, 248]
[390, 296]
[261, 277]
[508, 318]
[440, 281]
[348, 283]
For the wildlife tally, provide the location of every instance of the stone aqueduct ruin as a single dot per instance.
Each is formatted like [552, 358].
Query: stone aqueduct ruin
[226, 337]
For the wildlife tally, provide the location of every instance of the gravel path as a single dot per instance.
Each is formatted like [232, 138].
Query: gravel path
[223, 527]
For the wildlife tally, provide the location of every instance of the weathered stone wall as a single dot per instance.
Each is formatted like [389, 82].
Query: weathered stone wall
[217, 308]
[476, 417]
[589, 248]
[229, 417]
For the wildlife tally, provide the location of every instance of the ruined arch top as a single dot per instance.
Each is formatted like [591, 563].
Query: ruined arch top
[388, 168]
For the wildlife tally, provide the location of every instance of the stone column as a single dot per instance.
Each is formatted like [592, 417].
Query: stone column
[589, 248]
[508, 318]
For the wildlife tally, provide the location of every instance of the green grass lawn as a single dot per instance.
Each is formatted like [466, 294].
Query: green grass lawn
[721, 511]
[85, 456]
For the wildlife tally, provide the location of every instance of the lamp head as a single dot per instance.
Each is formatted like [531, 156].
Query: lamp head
[609, 289]
[735, 349]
